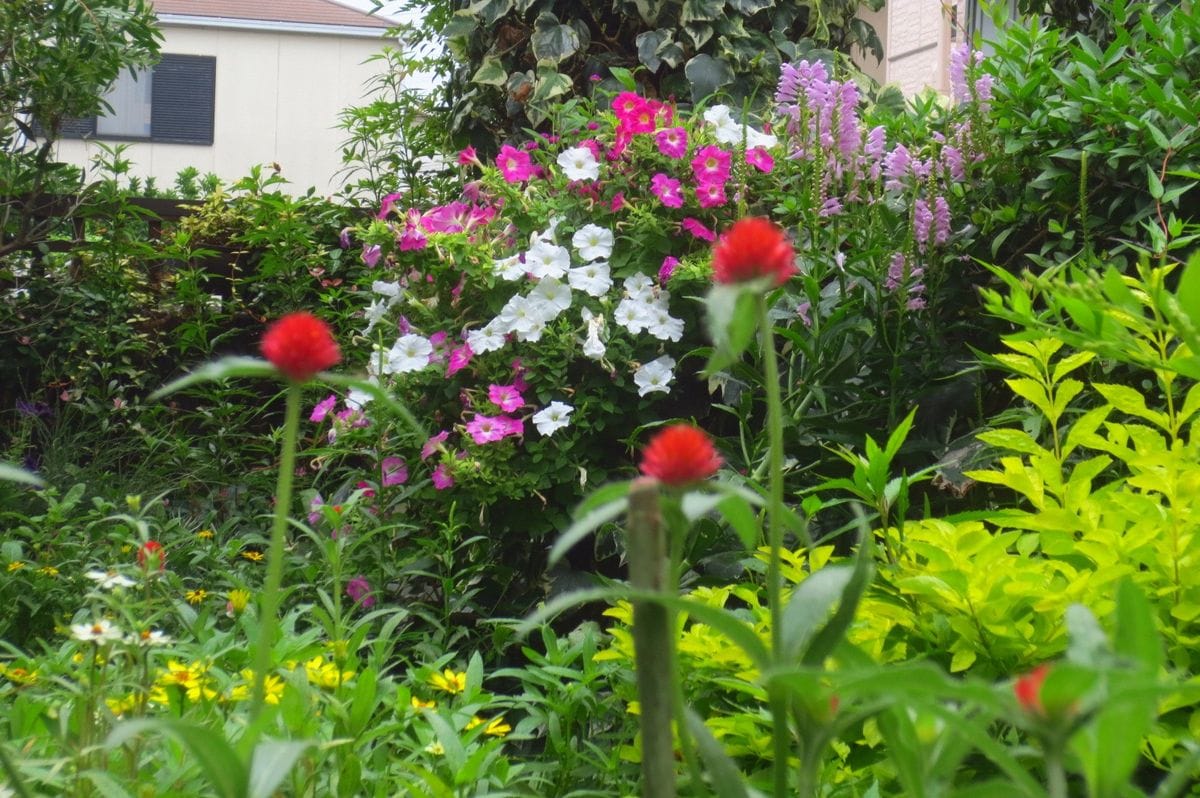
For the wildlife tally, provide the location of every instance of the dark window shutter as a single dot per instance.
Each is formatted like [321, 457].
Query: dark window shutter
[76, 128]
[183, 99]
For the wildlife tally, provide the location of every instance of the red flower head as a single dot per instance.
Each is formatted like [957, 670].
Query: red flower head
[680, 454]
[300, 345]
[151, 556]
[753, 248]
[1028, 689]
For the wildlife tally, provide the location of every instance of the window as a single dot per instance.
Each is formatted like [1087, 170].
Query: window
[173, 102]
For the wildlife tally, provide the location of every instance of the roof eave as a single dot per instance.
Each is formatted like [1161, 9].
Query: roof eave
[319, 29]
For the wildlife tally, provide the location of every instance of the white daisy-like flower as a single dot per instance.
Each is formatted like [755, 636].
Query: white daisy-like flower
[640, 287]
[488, 339]
[553, 417]
[632, 314]
[656, 375]
[553, 293]
[579, 163]
[593, 242]
[594, 279]
[410, 353]
[98, 632]
[547, 260]
[663, 325]
[148, 638]
[109, 580]
[510, 268]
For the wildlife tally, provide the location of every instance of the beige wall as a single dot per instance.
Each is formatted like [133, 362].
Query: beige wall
[916, 44]
[277, 100]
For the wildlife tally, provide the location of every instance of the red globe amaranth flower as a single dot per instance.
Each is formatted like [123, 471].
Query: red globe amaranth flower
[680, 454]
[151, 556]
[300, 345]
[753, 248]
[1028, 689]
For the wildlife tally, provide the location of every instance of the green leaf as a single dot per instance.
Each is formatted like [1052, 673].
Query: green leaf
[742, 519]
[624, 77]
[585, 525]
[1188, 292]
[270, 764]
[811, 604]
[1130, 401]
[455, 754]
[489, 11]
[648, 10]
[552, 43]
[700, 11]
[1136, 635]
[732, 316]
[220, 370]
[726, 778]
[706, 74]
[550, 84]
[491, 72]
[12, 473]
[218, 762]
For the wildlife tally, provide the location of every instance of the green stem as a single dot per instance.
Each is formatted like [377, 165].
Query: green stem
[269, 602]
[1056, 777]
[777, 695]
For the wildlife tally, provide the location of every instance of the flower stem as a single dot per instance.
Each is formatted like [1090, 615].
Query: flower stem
[777, 695]
[270, 599]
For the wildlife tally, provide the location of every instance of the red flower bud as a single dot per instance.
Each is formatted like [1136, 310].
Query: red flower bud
[680, 454]
[300, 345]
[151, 556]
[1028, 689]
[753, 248]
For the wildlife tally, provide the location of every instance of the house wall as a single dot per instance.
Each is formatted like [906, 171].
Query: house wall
[278, 95]
[916, 44]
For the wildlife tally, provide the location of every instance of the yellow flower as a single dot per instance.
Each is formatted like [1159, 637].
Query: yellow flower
[474, 722]
[253, 556]
[419, 704]
[436, 748]
[205, 534]
[48, 570]
[196, 596]
[325, 674]
[449, 681]
[120, 706]
[272, 688]
[15, 565]
[238, 599]
[497, 727]
[189, 679]
[18, 675]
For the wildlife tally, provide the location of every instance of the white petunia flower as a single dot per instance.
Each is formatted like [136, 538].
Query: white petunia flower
[639, 287]
[593, 278]
[510, 268]
[552, 418]
[579, 163]
[554, 293]
[593, 242]
[109, 580]
[410, 353]
[520, 315]
[663, 325]
[357, 399]
[98, 632]
[374, 313]
[389, 290]
[547, 236]
[489, 339]
[655, 376]
[728, 131]
[547, 260]
[633, 315]
[593, 347]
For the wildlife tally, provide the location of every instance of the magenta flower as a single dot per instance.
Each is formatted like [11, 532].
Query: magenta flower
[314, 509]
[459, 358]
[512, 427]
[515, 165]
[711, 164]
[760, 159]
[667, 269]
[672, 142]
[394, 471]
[506, 397]
[922, 222]
[711, 194]
[697, 229]
[368, 492]
[370, 254]
[485, 429]
[626, 105]
[617, 202]
[941, 220]
[468, 157]
[433, 444]
[442, 478]
[322, 409]
[667, 190]
[385, 207]
[359, 591]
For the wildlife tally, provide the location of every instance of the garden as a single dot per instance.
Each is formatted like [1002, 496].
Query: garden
[691, 416]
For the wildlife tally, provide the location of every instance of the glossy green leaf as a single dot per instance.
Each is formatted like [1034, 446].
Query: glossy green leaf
[221, 369]
[810, 606]
[585, 525]
[219, 763]
[727, 779]
[271, 763]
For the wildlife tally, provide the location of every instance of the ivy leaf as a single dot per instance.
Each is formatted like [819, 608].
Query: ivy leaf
[700, 33]
[648, 43]
[749, 7]
[490, 73]
[649, 10]
[553, 42]
[700, 11]
[706, 74]
[489, 11]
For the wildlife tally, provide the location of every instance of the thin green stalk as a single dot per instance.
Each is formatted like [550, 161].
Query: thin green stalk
[270, 600]
[777, 696]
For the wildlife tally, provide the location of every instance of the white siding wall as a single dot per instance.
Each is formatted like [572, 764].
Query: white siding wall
[277, 100]
[916, 44]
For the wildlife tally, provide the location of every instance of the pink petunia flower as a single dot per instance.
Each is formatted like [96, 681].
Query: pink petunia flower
[359, 591]
[667, 189]
[711, 194]
[711, 164]
[459, 358]
[515, 165]
[697, 229]
[385, 207]
[370, 254]
[442, 478]
[513, 427]
[506, 397]
[485, 429]
[394, 471]
[433, 444]
[667, 269]
[322, 409]
[672, 142]
[760, 159]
